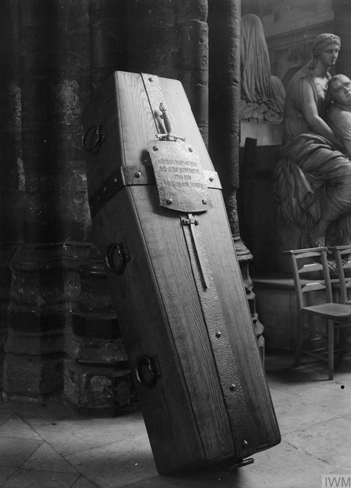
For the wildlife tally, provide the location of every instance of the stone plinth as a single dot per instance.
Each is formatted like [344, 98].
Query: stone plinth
[266, 134]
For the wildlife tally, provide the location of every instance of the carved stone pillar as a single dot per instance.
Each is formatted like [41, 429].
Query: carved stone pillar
[224, 24]
[11, 170]
[33, 350]
[97, 375]
[107, 39]
[193, 58]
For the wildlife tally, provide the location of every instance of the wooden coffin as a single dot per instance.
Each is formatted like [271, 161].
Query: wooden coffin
[160, 221]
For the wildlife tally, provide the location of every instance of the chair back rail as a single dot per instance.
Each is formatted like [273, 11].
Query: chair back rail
[343, 262]
[313, 285]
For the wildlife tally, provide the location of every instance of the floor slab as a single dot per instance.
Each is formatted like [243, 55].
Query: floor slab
[14, 452]
[40, 479]
[5, 473]
[118, 463]
[16, 428]
[45, 458]
[329, 441]
[82, 482]
[69, 436]
[4, 417]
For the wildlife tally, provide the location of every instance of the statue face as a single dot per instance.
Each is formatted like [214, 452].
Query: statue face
[329, 55]
[341, 90]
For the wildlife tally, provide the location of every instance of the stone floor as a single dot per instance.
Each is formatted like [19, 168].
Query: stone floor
[50, 447]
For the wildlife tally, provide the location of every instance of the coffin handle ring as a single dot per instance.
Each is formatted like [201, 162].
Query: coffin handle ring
[122, 252]
[99, 138]
[147, 371]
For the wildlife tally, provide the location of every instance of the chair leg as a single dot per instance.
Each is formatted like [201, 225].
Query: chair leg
[331, 349]
[299, 341]
[337, 344]
[342, 342]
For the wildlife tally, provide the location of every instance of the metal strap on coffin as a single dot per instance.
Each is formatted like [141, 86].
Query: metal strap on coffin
[131, 176]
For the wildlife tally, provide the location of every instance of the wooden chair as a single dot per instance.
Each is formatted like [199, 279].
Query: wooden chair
[342, 256]
[336, 315]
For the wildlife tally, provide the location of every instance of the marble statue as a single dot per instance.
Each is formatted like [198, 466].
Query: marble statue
[262, 95]
[338, 114]
[313, 175]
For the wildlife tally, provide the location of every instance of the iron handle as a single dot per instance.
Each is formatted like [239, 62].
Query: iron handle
[123, 254]
[100, 137]
[147, 370]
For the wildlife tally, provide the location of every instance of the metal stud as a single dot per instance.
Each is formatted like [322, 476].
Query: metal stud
[190, 149]
[169, 201]
[218, 334]
[244, 444]
[232, 387]
[137, 174]
[204, 202]
[155, 148]
[151, 79]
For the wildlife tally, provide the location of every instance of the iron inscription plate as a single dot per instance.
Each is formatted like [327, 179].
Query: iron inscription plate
[179, 176]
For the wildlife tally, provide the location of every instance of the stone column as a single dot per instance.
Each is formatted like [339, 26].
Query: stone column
[97, 375]
[224, 48]
[153, 38]
[33, 352]
[193, 58]
[107, 39]
[11, 170]
[224, 22]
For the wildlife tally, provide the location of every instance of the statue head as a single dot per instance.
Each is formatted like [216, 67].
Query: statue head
[322, 41]
[319, 44]
[339, 90]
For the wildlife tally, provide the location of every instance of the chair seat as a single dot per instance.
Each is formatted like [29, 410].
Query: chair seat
[334, 311]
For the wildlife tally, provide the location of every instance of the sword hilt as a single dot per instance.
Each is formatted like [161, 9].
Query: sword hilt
[162, 115]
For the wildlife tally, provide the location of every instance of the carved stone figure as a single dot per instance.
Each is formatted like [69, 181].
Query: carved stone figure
[304, 105]
[338, 115]
[262, 95]
[313, 177]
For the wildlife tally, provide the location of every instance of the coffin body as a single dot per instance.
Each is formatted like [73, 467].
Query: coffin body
[174, 277]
